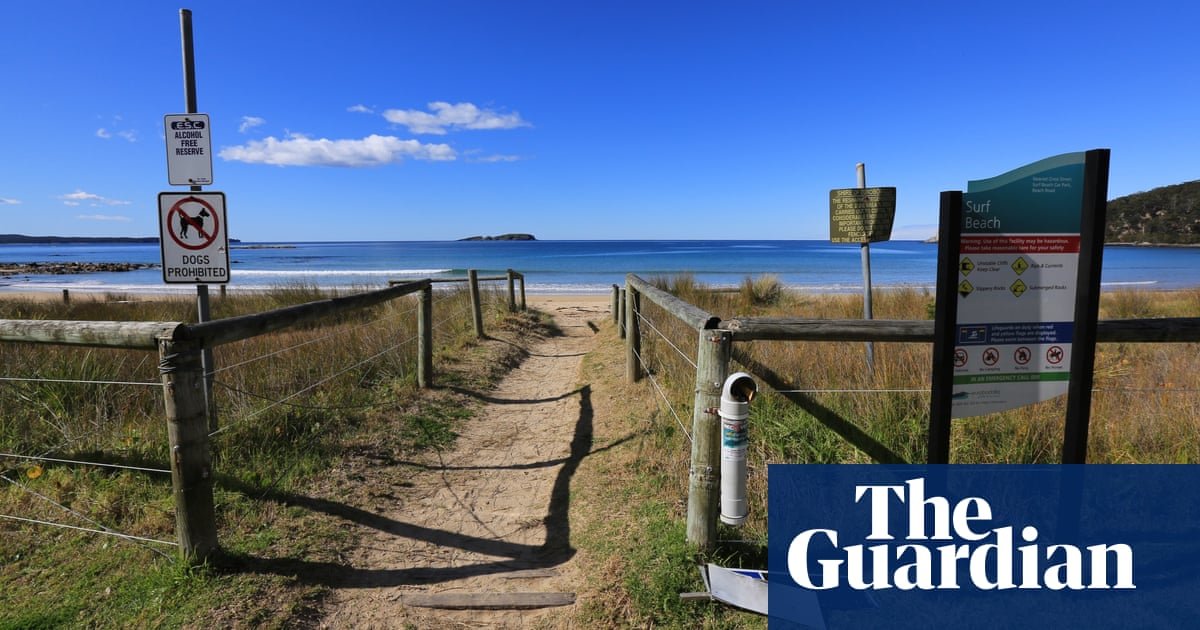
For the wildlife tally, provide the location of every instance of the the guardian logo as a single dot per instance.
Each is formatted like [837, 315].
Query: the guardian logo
[972, 554]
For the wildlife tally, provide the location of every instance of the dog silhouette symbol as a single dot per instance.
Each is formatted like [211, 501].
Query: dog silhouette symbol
[186, 222]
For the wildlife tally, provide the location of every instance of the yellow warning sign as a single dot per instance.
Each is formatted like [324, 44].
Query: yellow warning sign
[965, 288]
[966, 266]
[1020, 265]
[1018, 288]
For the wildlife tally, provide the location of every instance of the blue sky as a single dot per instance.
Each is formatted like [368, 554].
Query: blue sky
[579, 120]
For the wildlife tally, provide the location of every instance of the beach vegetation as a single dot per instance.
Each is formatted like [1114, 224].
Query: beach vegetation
[761, 291]
[298, 411]
[818, 403]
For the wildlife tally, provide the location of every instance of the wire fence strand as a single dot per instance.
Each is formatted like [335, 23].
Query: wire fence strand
[340, 331]
[666, 339]
[72, 461]
[284, 400]
[76, 381]
[94, 531]
[102, 529]
[663, 395]
[852, 391]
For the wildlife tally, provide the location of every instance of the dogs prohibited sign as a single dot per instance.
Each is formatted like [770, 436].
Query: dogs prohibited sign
[194, 238]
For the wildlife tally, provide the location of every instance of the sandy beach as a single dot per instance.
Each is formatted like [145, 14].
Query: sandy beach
[552, 302]
[548, 302]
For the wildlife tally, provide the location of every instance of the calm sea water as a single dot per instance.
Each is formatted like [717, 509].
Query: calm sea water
[568, 266]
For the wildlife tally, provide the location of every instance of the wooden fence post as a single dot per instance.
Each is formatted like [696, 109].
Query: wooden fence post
[191, 458]
[521, 277]
[704, 476]
[512, 292]
[476, 302]
[621, 313]
[633, 337]
[615, 305]
[66, 296]
[425, 337]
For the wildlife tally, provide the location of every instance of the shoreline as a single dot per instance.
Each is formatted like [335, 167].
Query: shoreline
[533, 293]
[545, 301]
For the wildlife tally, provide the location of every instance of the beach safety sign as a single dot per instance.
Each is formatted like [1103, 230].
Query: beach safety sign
[189, 149]
[194, 237]
[1018, 263]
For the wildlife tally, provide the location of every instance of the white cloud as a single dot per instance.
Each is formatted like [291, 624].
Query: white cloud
[446, 116]
[5, 201]
[78, 197]
[497, 158]
[102, 217]
[300, 150]
[360, 109]
[127, 134]
[250, 122]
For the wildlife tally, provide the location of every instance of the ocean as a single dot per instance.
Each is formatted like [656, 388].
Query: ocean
[565, 266]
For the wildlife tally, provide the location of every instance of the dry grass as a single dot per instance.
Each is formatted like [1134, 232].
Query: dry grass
[1145, 409]
[289, 404]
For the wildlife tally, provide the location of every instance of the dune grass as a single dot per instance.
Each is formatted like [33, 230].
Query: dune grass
[1146, 409]
[291, 404]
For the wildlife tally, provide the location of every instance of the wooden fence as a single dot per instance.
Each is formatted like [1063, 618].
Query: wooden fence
[716, 349]
[179, 347]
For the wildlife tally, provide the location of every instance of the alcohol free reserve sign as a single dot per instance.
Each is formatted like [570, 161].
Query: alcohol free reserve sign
[189, 149]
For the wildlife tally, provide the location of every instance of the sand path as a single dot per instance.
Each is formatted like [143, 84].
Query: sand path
[490, 516]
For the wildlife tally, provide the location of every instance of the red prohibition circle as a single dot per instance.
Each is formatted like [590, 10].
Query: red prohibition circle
[209, 236]
[960, 357]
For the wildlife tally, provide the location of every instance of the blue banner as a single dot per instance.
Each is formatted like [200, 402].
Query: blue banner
[1014, 333]
[967, 546]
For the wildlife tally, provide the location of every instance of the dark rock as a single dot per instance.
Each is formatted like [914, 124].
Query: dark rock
[66, 268]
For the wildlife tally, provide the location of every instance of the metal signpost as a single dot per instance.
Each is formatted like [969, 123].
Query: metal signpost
[862, 215]
[193, 233]
[1018, 291]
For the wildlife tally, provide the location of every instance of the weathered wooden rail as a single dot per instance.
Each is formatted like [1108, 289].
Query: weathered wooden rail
[712, 367]
[715, 350]
[473, 279]
[179, 347]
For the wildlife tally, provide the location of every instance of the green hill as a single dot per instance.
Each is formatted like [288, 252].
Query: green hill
[1167, 215]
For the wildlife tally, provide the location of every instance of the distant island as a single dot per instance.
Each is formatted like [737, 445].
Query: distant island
[502, 237]
[21, 238]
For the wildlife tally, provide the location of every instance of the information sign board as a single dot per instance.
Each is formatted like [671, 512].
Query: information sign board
[194, 238]
[1018, 264]
[189, 149]
[861, 215]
